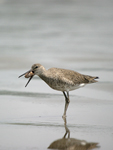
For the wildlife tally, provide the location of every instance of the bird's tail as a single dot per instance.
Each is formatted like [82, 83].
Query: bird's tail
[91, 79]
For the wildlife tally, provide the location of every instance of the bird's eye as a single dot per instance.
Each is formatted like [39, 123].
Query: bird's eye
[36, 67]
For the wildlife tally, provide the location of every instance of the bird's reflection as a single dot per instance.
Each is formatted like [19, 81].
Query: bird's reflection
[71, 143]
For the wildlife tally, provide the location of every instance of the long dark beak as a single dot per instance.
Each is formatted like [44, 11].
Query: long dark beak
[25, 73]
[29, 78]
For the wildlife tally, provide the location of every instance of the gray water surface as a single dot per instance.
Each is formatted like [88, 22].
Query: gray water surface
[74, 34]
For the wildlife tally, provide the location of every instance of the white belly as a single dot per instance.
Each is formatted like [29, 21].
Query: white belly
[75, 87]
[68, 87]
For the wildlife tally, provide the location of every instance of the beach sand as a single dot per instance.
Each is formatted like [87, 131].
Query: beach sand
[32, 119]
[76, 35]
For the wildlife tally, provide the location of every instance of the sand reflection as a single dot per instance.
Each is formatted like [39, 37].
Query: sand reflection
[67, 143]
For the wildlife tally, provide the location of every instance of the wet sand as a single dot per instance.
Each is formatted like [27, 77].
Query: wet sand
[33, 120]
[73, 35]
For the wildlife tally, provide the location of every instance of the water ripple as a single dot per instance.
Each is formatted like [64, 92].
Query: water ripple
[26, 94]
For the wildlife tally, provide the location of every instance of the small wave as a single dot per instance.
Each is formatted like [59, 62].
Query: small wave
[26, 94]
[32, 124]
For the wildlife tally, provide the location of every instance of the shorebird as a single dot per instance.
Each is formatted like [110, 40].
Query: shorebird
[60, 79]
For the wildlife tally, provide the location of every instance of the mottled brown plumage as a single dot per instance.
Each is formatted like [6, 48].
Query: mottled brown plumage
[60, 79]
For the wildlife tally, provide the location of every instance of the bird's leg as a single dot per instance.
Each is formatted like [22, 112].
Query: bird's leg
[68, 97]
[66, 128]
[66, 103]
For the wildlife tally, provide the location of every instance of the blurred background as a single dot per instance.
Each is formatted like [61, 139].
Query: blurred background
[71, 34]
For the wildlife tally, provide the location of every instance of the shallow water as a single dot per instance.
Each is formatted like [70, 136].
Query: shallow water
[71, 34]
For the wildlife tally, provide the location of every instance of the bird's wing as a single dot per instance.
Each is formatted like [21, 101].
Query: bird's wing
[68, 76]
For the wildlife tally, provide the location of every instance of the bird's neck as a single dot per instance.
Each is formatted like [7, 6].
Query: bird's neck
[42, 72]
[45, 76]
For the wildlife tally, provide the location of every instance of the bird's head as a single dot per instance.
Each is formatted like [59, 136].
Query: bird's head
[36, 69]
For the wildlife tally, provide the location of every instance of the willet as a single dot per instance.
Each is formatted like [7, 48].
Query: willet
[60, 79]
